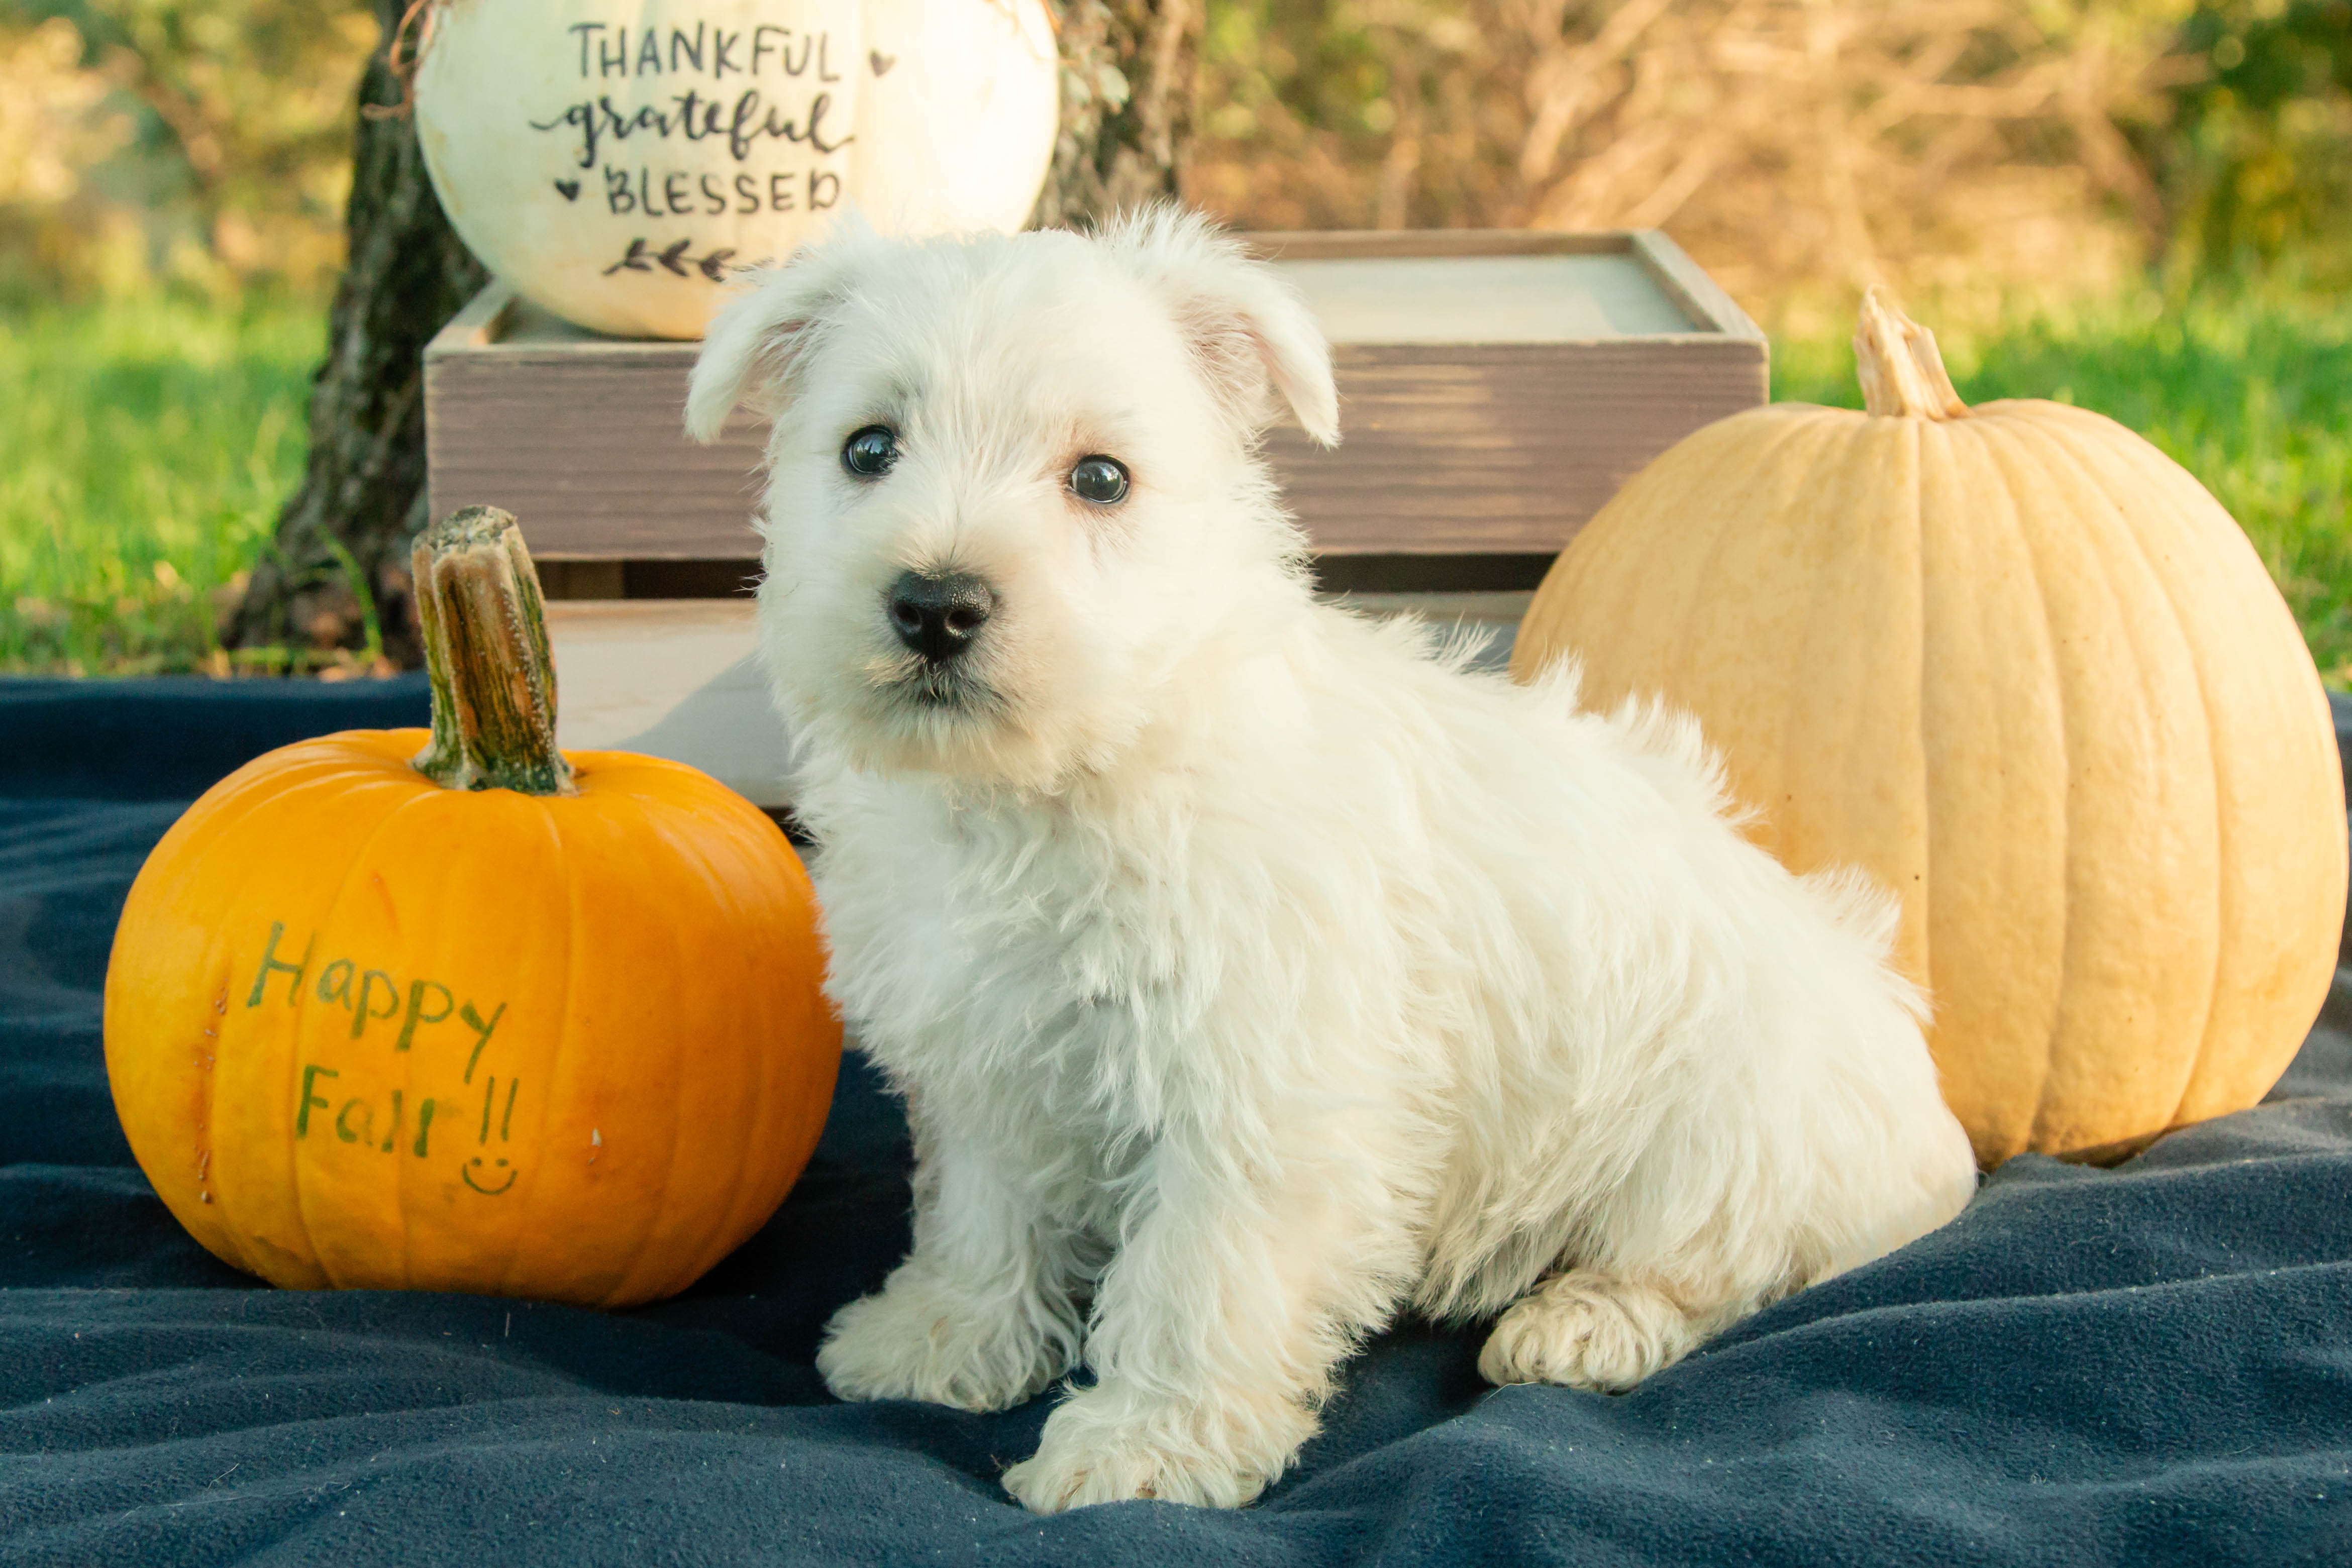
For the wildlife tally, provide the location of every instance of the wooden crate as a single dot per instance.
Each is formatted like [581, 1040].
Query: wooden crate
[1495, 389]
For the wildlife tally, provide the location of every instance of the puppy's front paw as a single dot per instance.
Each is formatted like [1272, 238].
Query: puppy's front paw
[1586, 1330]
[1100, 1447]
[916, 1339]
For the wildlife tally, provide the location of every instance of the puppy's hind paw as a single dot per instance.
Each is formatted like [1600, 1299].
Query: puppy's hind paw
[1586, 1330]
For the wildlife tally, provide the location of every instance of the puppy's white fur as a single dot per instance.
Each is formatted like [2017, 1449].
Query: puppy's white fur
[1251, 969]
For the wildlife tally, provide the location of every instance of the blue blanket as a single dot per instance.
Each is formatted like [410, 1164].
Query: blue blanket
[2145, 1365]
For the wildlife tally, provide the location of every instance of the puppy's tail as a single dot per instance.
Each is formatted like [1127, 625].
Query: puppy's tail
[1559, 686]
[1862, 906]
[1682, 759]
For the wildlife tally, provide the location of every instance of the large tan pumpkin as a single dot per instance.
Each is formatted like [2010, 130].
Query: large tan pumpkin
[2026, 671]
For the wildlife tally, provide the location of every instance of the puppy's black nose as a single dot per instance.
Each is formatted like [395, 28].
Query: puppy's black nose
[938, 615]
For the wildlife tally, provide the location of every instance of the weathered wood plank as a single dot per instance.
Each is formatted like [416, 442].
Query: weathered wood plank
[1449, 448]
[1481, 448]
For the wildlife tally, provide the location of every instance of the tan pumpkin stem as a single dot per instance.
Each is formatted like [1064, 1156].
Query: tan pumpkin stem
[1895, 358]
[486, 654]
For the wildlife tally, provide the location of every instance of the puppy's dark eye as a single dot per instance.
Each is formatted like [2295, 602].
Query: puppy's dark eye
[870, 453]
[1099, 479]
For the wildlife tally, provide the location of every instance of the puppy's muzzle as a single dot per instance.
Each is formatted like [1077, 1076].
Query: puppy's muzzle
[940, 615]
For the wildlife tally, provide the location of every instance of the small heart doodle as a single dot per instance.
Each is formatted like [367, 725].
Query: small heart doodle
[570, 189]
[880, 61]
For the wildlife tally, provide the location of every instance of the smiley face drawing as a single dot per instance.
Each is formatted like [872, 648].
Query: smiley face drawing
[466, 1170]
[495, 1175]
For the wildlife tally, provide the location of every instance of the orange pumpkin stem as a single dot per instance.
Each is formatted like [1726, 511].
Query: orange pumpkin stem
[1895, 358]
[486, 654]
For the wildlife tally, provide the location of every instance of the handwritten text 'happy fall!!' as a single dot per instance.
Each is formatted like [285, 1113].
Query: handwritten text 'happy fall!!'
[291, 980]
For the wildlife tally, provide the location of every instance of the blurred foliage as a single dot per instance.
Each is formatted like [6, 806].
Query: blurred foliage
[1965, 150]
[2256, 158]
[1962, 149]
[201, 144]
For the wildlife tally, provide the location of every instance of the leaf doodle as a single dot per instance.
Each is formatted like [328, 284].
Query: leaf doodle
[642, 257]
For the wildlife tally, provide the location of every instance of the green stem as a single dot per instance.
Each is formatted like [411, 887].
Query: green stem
[487, 656]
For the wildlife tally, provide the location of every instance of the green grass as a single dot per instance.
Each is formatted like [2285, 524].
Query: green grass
[144, 450]
[2253, 394]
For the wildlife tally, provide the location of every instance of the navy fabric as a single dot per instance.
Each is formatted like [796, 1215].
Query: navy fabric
[171, 737]
[2145, 1365]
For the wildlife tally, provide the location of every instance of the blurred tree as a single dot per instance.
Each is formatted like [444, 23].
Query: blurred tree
[1128, 72]
[1799, 148]
[201, 144]
[2257, 157]
[339, 572]
[1971, 142]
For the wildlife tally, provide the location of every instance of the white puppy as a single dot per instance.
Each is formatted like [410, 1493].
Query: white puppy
[1254, 971]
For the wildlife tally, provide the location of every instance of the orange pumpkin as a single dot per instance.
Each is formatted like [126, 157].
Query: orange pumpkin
[461, 1011]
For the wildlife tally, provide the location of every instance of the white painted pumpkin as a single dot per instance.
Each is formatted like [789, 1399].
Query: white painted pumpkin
[614, 160]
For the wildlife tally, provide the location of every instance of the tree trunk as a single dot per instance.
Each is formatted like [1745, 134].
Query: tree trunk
[1128, 78]
[362, 503]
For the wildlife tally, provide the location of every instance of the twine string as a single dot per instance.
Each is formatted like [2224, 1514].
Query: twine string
[403, 70]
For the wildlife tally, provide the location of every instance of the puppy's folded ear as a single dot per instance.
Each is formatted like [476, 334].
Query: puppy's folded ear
[1254, 336]
[747, 353]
